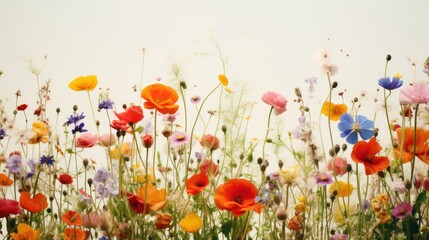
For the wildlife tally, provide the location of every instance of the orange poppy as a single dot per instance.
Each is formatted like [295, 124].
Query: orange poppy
[223, 79]
[5, 180]
[25, 232]
[81, 83]
[163, 220]
[156, 198]
[36, 204]
[343, 189]
[422, 150]
[160, 97]
[132, 114]
[72, 218]
[336, 110]
[364, 152]
[74, 234]
[237, 196]
[197, 183]
[40, 133]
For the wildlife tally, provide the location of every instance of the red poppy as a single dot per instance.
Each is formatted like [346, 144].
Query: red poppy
[8, 207]
[36, 204]
[137, 204]
[72, 218]
[160, 97]
[364, 152]
[74, 234]
[65, 179]
[132, 114]
[22, 107]
[120, 125]
[209, 141]
[209, 167]
[197, 183]
[422, 150]
[237, 196]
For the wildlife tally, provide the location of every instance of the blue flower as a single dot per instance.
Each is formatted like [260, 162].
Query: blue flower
[350, 128]
[74, 119]
[79, 128]
[106, 104]
[2, 133]
[388, 84]
[48, 160]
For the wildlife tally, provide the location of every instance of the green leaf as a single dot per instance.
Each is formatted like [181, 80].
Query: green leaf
[421, 198]
[139, 129]
[226, 228]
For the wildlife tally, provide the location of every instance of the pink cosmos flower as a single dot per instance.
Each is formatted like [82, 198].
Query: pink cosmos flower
[338, 166]
[179, 138]
[402, 210]
[275, 100]
[414, 94]
[86, 140]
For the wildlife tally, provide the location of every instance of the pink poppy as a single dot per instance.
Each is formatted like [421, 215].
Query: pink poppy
[86, 140]
[107, 139]
[414, 94]
[338, 166]
[275, 100]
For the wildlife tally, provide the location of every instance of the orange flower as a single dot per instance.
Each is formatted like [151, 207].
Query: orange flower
[364, 152]
[25, 232]
[155, 198]
[36, 204]
[81, 83]
[295, 223]
[40, 133]
[74, 234]
[336, 110]
[192, 223]
[237, 196]
[163, 220]
[422, 150]
[343, 189]
[5, 180]
[197, 183]
[160, 97]
[72, 218]
[223, 79]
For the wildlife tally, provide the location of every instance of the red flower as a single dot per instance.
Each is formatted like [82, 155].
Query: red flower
[74, 234]
[364, 152]
[137, 204]
[120, 125]
[36, 204]
[147, 140]
[22, 107]
[209, 167]
[132, 114]
[9, 206]
[72, 218]
[209, 141]
[160, 97]
[237, 196]
[197, 183]
[65, 179]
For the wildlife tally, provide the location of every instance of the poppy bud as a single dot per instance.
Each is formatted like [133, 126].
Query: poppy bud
[408, 184]
[75, 108]
[344, 147]
[224, 129]
[183, 84]
[388, 57]
[281, 214]
[280, 163]
[337, 148]
[259, 161]
[147, 140]
[58, 110]
[349, 168]
[334, 84]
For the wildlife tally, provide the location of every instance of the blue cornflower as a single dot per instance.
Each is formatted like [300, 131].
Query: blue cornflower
[48, 160]
[388, 84]
[74, 119]
[2, 133]
[79, 128]
[350, 128]
[106, 104]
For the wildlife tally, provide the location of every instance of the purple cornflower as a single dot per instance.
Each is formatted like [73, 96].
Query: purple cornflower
[79, 128]
[388, 84]
[365, 204]
[14, 163]
[324, 178]
[311, 81]
[74, 119]
[101, 175]
[178, 139]
[3, 133]
[48, 160]
[195, 99]
[106, 104]
[32, 164]
[402, 210]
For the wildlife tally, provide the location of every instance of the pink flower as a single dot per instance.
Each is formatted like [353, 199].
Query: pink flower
[9, 207]
[402, 210]
[91, 220]
[414, 94]
[107, 139]
[86, 140]
[338, 166]
[275, 100]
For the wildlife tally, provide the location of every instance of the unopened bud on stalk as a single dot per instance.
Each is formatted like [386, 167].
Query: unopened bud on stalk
[408, 184]
[349, 168]
[224, 129]
[337, 148]
[334, 84]
[280, 163]
[259, 161]
[381, 174]
[344, 147]
[75, 108]
[281, 214]
[388, 57]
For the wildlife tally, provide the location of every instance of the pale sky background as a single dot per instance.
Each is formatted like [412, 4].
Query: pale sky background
[269, 44]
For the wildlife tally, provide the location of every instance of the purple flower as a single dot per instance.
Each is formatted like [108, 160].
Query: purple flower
[79, 128]
[102, 191]
[311, 81]
[106, 104]
[3, 133]
[32, 164]
[169, 118]
[48, 160]
[340, 237]
[178, 139]
[324, 178]
[402, 210]
[14, 162]
[388, 84]
[74, 119]
[365, 204]
[101, 175]
[195, 99]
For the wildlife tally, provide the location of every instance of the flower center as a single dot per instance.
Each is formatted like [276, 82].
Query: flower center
[180, 137]
[238, 200]
[356, 127]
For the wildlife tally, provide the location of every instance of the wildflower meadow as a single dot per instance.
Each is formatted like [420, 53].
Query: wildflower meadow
[164, 165]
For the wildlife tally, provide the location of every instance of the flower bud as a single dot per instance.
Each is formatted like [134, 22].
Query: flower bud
[281, 214]
[147, 140]
[388, 57]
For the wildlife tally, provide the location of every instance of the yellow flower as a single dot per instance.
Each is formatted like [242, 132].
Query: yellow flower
[123, 151]
[300, 208]
[336, 110]
[343, 189]
[40, 131]
[223, 79]
[302, 199]
[191, 223]
[289, 175]
[342, 212]
[384, 217]
[141, 178]
[25, 232]
[398, 75]
[81, 83]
